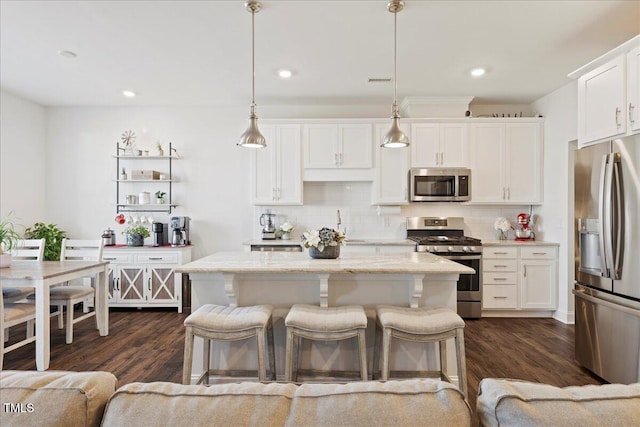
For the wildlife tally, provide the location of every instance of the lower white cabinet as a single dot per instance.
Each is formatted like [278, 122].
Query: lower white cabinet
[392, 171]
[145, 276]
[519, 277]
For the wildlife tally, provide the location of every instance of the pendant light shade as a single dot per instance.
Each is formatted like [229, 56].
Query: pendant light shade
[252, 137]
[395, 138]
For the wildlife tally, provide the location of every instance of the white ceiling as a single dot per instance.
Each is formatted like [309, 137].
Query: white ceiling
[198, 52]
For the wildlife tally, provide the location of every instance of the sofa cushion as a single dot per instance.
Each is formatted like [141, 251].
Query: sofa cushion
[169, 404]
[54, 398]
[503, 402]
[416, 402]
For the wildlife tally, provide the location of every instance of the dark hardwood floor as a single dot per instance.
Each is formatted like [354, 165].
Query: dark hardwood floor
[147, 345]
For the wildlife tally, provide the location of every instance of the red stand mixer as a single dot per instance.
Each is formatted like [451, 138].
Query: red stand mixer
[523, 232]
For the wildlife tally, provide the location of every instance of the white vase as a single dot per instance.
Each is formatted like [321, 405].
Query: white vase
[5, 260]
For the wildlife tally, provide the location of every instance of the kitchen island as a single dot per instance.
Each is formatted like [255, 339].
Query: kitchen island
[286, 278]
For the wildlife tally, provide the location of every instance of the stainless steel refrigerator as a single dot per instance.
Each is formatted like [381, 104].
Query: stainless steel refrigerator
[607, 259]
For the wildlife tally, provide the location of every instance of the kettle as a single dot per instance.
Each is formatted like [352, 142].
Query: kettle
[109, 237]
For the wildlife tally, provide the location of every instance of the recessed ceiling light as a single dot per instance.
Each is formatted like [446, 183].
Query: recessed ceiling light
[478, 72]
[67, 54]
[129, 93]
[285, 74]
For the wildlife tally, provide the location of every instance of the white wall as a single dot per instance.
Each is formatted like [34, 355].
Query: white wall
[560, 111]
[22, 160]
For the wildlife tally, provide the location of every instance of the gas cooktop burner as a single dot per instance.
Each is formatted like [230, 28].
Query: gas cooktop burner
[441, 236]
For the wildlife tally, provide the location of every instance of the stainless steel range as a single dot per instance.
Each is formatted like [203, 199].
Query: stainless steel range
[445, 237]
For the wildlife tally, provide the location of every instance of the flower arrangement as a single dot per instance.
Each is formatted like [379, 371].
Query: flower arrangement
[503, 225]
[323, 238]
[286, 227]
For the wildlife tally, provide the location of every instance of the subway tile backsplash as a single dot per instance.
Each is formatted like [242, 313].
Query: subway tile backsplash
[361, 219]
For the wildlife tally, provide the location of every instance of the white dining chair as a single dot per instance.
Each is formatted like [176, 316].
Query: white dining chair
[70, 295]
[12, 314]
[27, 249]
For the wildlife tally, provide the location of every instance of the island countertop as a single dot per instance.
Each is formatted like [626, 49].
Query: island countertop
[300, 262]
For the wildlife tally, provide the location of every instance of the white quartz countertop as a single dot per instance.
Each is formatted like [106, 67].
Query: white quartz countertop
[518, 243]
[349, 242]
[300, 262]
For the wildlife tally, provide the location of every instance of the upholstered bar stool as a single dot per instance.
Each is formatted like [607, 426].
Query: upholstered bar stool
[324, 324]
[424, 325]
[224, 323]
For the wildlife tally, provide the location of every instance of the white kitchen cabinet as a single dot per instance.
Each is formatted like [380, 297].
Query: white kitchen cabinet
[145, 277]
[390, 186]
[538, 268]
[608, 95]
[601, 102]
[506, 162]
[439, 145]
[633, 90]
[331, 146]
[276, 175]
[519, 278]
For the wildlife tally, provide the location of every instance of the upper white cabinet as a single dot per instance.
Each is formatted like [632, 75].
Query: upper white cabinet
[608, 95]
[506, 162]
[331, 146]
[633, 89]
[392, 171]
[276, 169]
[439, 145]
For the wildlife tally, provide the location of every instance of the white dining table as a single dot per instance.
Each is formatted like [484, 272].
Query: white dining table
[42, 275]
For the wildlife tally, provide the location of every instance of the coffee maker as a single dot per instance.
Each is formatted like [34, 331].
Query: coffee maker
[180, 231]
[160, 234]
[268, 225]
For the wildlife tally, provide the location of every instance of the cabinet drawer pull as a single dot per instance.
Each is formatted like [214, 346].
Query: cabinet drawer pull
[156, 258]
[500, 266]
[539, 253]
[500, 253]
[631, 108]
[618, 117]
[500, 297]
[524, 270]
[104, 258]
[500, 279]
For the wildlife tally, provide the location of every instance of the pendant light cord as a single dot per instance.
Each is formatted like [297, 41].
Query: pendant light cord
[395, 64]
[253, 67]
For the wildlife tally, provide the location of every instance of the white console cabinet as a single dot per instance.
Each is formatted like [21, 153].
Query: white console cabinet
[145, 276]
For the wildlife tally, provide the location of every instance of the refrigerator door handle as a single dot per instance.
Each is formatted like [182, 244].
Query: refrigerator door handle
[604, 202]
[618, 215]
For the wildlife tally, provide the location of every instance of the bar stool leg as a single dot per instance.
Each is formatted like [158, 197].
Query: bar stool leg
[377, 347]
[386, 344]
[462, 365]
[206, 360]
[188, 355]
[442, 345]
[362, 349]
[262, 369]
[272, 352]
[288, 368]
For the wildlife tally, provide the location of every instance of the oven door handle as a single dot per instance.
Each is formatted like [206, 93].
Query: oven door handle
[461, 257]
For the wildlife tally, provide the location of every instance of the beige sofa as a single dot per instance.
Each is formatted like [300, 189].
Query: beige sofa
[56, 398]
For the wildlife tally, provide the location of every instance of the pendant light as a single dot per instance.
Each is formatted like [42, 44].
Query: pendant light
[252, 136]
[395, 138]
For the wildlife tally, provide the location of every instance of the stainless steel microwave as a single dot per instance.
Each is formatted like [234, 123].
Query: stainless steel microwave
[440, 185]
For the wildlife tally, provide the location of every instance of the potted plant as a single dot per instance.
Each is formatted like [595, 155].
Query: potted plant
[286, 229]
[160, 197]
[8, 240]
[324, 243]
[159, 150]
[136, 235]
[53, 239]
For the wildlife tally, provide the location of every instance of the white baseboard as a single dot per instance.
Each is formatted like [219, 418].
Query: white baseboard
[568, 317]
